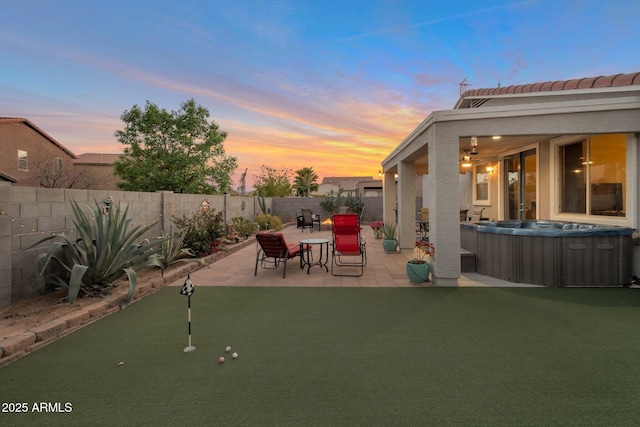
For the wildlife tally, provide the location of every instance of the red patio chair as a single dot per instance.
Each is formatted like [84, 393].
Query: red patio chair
[349, 247]
[273, 250]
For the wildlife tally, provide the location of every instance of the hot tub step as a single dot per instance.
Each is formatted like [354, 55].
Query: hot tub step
[467, 261]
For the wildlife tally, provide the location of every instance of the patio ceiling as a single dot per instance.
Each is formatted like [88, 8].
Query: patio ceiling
[489, 149]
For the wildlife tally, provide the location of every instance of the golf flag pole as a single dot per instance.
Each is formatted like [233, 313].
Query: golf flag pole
[188, 289]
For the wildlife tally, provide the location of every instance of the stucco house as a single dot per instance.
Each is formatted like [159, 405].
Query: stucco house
[98, 168]
[559, 150]
[362, 186]
[369, 188]
[32, 158]
[28, 153]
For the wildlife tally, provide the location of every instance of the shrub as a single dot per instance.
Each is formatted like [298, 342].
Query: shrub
[377, 227]
[355, 204]
[331, 203]
[101, 254]
[243, 226]
[268, 222]
[202, 231]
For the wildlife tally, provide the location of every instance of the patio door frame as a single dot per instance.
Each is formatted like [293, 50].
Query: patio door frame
[521, 153]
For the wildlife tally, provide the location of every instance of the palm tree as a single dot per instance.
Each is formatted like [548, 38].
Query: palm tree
[306, 181]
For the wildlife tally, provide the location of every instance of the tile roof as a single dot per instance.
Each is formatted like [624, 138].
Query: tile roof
[615, 80]
[97, 158]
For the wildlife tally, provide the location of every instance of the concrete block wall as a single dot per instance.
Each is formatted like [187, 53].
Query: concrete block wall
[287, 207]
[5, 243]
[30, 214]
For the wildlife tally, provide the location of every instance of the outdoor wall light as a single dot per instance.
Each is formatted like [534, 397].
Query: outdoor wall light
[465, 162]
[107, 204]
[474, 145]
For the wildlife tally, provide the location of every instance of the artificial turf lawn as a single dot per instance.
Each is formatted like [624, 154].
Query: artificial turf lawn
[346, 356]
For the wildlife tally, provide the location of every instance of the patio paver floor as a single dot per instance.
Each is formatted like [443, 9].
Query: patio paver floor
[382, 270]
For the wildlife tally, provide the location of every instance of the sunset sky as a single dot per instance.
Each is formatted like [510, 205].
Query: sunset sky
[333, 85]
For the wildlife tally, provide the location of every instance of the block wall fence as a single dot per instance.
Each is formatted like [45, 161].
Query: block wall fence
[27, 215]
[287, 207]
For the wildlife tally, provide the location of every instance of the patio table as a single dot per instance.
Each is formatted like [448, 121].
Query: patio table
[322, 260]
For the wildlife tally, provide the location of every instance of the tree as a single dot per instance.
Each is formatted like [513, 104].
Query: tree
[242, 188]
[54, 172]
[306, 181]
[331, 203]
[177, 151]
[272, 182]
[51, 171]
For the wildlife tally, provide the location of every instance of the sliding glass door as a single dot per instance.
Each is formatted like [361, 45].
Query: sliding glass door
[520, 184]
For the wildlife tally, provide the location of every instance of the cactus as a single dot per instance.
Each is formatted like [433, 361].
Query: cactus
[262, 202]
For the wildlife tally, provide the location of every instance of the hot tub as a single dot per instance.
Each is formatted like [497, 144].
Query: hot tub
[550, 253]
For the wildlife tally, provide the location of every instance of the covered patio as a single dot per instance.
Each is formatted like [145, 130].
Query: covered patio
[382, 270]
[522, 135]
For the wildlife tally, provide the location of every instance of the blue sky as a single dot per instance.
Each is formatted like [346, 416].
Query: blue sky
[335, 85]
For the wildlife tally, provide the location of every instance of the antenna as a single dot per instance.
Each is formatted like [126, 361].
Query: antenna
[463, 86]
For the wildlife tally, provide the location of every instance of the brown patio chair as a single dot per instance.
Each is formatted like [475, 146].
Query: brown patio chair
[349, 247]
[273, 250]
[309, 220]
[300, 220]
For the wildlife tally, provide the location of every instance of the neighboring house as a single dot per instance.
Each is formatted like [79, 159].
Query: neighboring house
[98, 168]
[325, 189]
[369, 188]
[561, 150]
[363, 186]
[6, 179]
[30, 157]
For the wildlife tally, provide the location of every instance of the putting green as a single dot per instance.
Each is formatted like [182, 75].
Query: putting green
[343, 356]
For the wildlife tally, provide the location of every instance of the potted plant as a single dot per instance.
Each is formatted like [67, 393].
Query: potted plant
[389, 242]
[377, 229]
[418, 268]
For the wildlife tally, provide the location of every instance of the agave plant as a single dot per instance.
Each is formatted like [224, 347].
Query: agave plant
[172, 250]
[101, 254]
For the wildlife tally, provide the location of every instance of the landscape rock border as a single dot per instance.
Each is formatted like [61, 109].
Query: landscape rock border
[19, 345]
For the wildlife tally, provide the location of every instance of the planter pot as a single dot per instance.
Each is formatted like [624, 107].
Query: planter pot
[418, 273]
[389, 245]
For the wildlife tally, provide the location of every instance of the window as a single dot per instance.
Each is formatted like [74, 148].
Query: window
[481, 184]
[593, 176]
[23, 164]
[57, 164]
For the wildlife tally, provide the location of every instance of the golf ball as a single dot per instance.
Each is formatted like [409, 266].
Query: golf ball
[234, 355]
[228, 349]
[221, 360]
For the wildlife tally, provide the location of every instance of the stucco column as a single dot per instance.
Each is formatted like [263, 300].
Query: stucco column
[406, 205]
[444, 211]
[389, 196]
